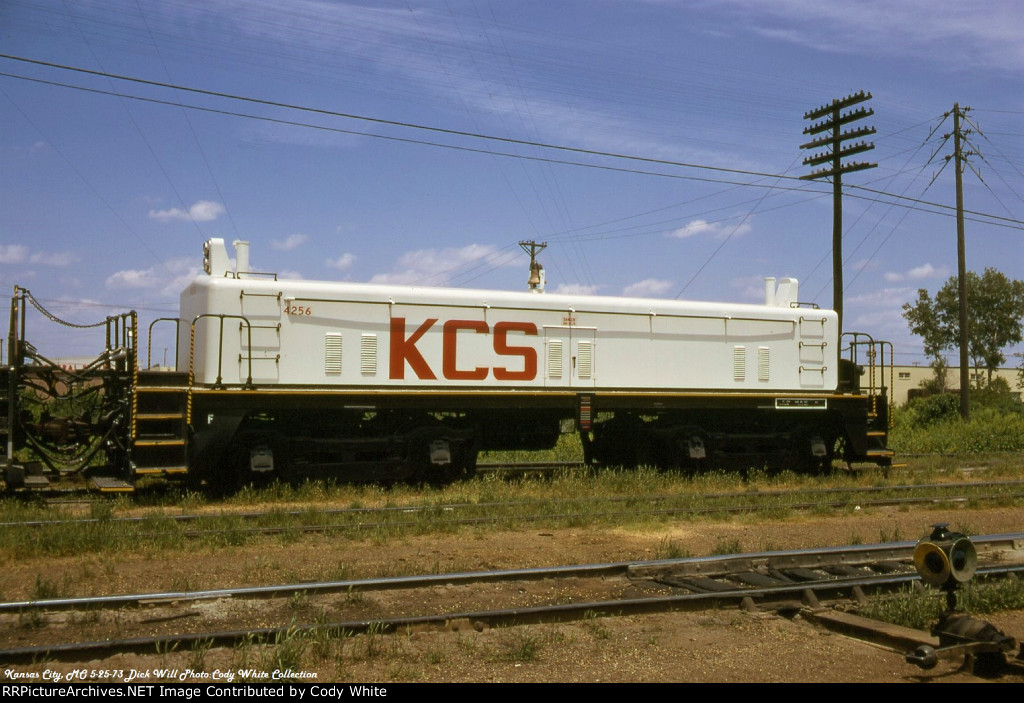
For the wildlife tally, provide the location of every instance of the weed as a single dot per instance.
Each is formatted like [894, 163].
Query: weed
[197, 656]
[30, 619]
[183, 583]
[965, 530]
[921, 610]
[434, 657]
[371, 640]
[47, 590]
[353, 596]
[591, 620]
[299, 601]
[670, 549]
[101, 510]
[242, 656]
[894, 536]
[521, 647]
[286, 652]
[727, 546]
[323, 641]
[164, 651]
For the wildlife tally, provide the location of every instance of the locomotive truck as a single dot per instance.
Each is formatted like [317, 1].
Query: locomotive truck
[287, 379]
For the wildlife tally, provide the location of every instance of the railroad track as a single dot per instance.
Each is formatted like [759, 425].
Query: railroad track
[783, 580]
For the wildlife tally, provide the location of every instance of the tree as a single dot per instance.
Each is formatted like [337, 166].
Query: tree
[995, 314]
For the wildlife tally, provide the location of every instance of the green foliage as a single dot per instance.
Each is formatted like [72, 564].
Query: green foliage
[920, 610]
[988, 430]
[521, 647]
[670, 549]
[995, 310]
[996, 395]
[727, 546]
[925, 412]
[568, 448]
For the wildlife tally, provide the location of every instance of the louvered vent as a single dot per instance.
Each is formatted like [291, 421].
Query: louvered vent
[763, 363]
[332, 352]
[554, 358]
[368, 354]
[585, 359]
[739, 363]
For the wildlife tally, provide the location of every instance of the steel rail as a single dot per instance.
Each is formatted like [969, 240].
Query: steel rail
[808, 591]
[704, 565]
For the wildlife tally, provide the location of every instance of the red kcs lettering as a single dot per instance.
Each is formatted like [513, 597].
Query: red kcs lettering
[404, 350]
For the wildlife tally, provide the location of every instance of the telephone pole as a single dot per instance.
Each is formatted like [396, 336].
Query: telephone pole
[832, 124]
[961, 256]
[536, 282]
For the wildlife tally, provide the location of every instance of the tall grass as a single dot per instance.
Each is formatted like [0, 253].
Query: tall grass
[569, 497]
[987, 431]
[933, 425]
[920, 610]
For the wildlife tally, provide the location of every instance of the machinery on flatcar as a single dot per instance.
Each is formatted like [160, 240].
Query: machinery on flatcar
[296, 378]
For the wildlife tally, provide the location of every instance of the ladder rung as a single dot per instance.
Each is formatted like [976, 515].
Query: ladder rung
[160, 416]
[159, 443]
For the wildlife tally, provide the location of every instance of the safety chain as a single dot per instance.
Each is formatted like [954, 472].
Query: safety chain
[53, 318]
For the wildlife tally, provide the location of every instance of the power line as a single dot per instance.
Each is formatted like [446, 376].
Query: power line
[379, 120]
[456, 147]
[595, 152]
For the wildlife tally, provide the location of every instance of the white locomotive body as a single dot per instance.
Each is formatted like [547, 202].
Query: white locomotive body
[361, 336]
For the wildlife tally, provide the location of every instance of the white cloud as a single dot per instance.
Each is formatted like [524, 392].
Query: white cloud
[647, 288]
[883, 297]
[430, 260]
[292, 241]
[13, 253]
[718, 230]
[918, 273]
[133, 278]
[19, 253]
[576, 289]
[201, 211]
[987, 34]
[342, 263]
[441, 266]
[57, 258]
[169, 279]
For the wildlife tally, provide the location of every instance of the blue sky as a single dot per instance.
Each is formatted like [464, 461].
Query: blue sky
[105, 201]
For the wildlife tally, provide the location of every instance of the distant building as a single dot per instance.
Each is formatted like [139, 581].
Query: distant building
[907, 379]
[74, 363]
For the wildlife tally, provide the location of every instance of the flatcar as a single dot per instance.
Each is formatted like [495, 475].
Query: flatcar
[287, 379]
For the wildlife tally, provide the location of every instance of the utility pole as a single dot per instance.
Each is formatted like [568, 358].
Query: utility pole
[832, 124]
[961, 257]
[536, 282]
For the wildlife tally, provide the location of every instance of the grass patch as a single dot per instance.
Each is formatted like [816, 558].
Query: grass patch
[521, 647]
[921, 610]
[727, 546]
[576, 498]
[988, 430]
